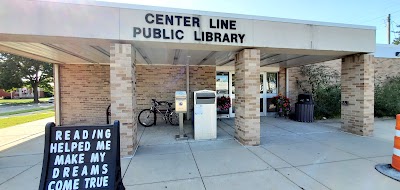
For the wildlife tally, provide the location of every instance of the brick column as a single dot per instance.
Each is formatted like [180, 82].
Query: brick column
[282, 81]
[358, 90]
[247, 101]
[123, 99]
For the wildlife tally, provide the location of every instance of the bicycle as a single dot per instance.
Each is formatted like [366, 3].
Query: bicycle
[148, 117]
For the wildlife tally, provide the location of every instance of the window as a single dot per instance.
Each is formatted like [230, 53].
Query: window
[271, 87]
[222, 84]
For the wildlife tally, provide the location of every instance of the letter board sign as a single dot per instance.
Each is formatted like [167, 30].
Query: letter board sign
[81, 157]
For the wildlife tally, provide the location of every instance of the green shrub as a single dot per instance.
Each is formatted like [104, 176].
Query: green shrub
[327, 102]
[323, 83]
[387, 98]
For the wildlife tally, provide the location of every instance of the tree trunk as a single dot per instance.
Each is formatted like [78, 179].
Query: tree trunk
[35, 93]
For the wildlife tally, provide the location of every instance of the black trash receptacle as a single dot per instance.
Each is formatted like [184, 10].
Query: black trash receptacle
[304, 108]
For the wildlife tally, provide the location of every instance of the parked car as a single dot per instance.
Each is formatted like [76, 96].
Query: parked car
[48, 94]
[51, 100]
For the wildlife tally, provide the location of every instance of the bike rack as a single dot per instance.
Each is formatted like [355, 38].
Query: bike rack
[108, 114]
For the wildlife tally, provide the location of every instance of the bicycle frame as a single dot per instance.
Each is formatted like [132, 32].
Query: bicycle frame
[155, 110]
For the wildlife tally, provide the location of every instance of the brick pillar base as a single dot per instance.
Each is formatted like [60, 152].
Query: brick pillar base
[358, 91]
[247, 101]
[123, 99]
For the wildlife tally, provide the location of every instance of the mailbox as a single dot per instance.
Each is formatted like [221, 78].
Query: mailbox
[180, 102]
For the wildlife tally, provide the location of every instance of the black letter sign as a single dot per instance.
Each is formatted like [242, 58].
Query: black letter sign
[81, 157]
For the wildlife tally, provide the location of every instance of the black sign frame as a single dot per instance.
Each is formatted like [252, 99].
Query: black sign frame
[115, 175]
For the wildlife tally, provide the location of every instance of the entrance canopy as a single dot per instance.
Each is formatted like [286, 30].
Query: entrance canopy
[65, 32]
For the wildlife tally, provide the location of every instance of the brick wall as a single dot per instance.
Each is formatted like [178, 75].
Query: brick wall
[295, 75]
[85, 93]
[4, 93]
[247, 101]
[161, 82]
[158, 82]
[384, 68]
[85, 90]
[201, 78]
[282, 81]
[357, 84]
[16, 94]
[122, 93]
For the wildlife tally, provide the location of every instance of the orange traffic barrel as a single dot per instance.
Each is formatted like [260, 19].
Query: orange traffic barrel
[396, 148]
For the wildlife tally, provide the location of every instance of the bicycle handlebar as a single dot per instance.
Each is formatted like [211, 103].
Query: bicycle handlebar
[161, 102]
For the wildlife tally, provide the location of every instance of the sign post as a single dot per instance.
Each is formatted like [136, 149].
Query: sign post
[81, 157]
[180, 108]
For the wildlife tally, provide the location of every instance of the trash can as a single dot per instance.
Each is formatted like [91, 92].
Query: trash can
[304, 108]
[205, 114]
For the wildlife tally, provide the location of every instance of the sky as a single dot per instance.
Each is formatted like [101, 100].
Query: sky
[359, 12]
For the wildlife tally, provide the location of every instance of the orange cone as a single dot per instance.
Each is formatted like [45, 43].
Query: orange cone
[396, 148]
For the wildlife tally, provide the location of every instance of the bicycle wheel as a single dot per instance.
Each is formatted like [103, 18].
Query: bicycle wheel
[173, 118]
[146, 117]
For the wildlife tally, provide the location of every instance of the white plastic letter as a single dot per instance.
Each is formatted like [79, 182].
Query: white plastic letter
[56, 173]
[58, 135]
[67, 135]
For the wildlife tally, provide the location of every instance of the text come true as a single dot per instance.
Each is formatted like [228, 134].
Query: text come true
[188, 21]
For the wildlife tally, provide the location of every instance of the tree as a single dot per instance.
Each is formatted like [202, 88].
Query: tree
[9, 80]
[323, 83]
[15, 71]
[396, 41]
[315, 77]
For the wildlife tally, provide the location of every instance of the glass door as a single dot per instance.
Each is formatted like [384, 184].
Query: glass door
[222, 87]
[262, 95]
[268, 89]
[225, 86]
[271, 90]
[232, 94]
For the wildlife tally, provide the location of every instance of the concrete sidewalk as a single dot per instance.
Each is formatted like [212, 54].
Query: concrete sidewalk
[12, 136]
[292, 155]
[21, 151]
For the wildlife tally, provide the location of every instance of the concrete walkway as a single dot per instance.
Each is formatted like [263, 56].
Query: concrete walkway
[12, 136]
[21, 152]
[292, 156]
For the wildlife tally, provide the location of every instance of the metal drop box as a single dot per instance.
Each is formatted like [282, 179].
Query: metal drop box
[180, 102]
[205, 115]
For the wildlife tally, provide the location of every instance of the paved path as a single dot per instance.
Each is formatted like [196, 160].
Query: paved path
[12, 136]
[292, 155]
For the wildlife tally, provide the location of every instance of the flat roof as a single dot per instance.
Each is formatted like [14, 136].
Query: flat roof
[387, 51]
[78, 32]
[208, 13]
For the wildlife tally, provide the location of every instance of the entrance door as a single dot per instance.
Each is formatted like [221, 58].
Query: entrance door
[271, 90]
[268, 89]
[263, 95]
[223, 88]
[232, 94]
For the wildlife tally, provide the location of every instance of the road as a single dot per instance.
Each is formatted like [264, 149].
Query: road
[11, 108]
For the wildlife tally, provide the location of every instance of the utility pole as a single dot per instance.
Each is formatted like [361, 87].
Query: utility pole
[388, 31]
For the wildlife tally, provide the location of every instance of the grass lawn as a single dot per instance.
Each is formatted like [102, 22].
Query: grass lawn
[21, 101]
[26, 111]
[16, 120]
